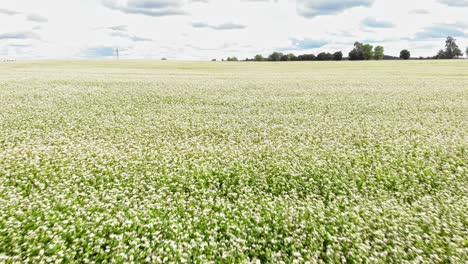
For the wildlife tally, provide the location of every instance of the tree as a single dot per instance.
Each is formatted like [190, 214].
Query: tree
[361, 52]
[324, 56]
[232, 59]
[357, 52]
[275, 56]
[306, 57]
[259, 57]
[466, 52]
[367, 52]
[405, 54]
[292, 57]
[354, 55]
[451, 49]
[379, 53]
[321, 56]
[337, 56]
[284, 57]
[440, 55]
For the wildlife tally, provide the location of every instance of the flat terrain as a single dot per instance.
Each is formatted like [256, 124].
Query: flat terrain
[234, 162]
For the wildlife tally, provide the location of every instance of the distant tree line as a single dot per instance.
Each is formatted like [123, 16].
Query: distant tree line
[361, 51]
[278, 56]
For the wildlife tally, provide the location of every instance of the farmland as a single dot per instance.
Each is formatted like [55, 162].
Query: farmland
[106, 161]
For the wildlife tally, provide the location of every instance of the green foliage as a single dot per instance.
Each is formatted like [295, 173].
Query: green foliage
[441, 55]
[367, 52]
[324, 56]
[292, 57]
[306, 57]
[275, 56]
[259, 57]
[379, 53]
[232, 59]
[194, 162]
[451, 50]
[337, 56]
[405, 54]
[288, 57]
[358, 52]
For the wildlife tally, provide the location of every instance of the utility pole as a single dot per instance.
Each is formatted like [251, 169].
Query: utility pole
[117, 53]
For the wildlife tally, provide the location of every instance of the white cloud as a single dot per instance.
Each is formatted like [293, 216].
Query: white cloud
[457, 3]
[313, 8]
[8, 12]
[224, 26]
[146, 7]
[37, 18]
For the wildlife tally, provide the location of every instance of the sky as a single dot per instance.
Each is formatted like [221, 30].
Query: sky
[215, 29]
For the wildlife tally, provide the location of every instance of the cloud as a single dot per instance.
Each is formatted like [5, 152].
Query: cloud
[224, 26]
[8, 12]
[36, 18]
[304, 44]
[419, 11]
[342, 34]
[99, 52]
[155, 8]
[224, 46]
[118, 28]
[21, 46]
[457, 3]
[128, 36]
[374, 23]
[313, 8]
[441, 31]
[19, 35]
[379, 40]
[120, 32]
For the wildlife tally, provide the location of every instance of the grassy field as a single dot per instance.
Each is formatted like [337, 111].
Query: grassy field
[234, 162]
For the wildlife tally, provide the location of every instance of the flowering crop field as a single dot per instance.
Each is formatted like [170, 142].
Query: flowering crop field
[149, 162]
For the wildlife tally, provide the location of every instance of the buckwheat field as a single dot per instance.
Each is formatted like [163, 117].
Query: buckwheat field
[216, 162]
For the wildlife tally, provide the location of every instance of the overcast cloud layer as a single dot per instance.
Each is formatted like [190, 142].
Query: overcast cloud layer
[206, 29]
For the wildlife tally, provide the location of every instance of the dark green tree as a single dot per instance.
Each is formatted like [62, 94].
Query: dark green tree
[441, 55]
[284, 57]
[275, 56]
[324, 56]
[259, 57]
[405, 54]
[306, 57]
[379, 53]
[451, 49]
[367, 52]
[292, 57]
[357, 52]
[337, 56]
